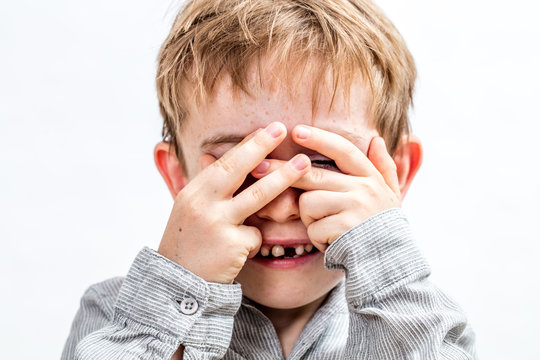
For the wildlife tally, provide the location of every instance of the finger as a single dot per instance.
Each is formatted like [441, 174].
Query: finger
[383, 162]
[256, 196]
[315, 179]
[253, 239]
[235, 164]
[208, 159]
[348, 157]
[318, 204]
[325, 231]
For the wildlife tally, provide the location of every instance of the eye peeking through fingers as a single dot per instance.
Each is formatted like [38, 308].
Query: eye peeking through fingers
[324, 163]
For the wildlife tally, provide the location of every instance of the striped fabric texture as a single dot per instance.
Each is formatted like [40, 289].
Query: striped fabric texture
[385, 308]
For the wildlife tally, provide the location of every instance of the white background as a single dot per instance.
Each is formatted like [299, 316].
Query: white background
[80, 195]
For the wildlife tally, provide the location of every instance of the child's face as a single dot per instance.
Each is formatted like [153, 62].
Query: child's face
[226, 115]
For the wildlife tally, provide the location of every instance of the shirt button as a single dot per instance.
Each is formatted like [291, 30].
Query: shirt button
[189, 306]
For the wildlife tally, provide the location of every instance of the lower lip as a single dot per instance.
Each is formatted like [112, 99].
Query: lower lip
[285, 264]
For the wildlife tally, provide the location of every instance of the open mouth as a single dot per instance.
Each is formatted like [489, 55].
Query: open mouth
[285, 251]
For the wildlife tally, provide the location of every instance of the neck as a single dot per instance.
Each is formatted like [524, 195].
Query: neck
[289, 323]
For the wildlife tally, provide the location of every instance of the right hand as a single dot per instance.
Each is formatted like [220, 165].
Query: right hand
[205, 233]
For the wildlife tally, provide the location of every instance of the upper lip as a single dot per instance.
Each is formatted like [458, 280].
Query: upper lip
[285, 242]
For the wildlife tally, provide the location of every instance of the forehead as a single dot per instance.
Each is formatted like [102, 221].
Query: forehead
[229, 112]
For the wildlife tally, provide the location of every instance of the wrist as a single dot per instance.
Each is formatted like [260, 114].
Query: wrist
[377, 255]
[174, 303]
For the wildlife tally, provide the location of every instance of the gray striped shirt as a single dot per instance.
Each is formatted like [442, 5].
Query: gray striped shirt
[385, 308]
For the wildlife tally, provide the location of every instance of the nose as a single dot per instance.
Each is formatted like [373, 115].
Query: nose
[283, 208]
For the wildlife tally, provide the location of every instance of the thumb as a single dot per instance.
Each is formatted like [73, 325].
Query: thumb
[381, 159]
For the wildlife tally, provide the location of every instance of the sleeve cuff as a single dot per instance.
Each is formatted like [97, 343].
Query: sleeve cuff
[152, 295]
[377, 255]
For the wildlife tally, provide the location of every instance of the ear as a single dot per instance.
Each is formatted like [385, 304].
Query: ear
[169, 167]
[408, 158]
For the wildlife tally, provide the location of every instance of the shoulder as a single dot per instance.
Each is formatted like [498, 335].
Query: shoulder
[96, 310]
[103, 295]
[107, 288]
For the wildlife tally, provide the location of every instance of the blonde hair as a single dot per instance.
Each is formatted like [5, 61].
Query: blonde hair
[347, 37]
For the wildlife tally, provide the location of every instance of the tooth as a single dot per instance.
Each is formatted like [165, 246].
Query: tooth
[265, 251]
[308, 247]
[278, 250]
[299, 249]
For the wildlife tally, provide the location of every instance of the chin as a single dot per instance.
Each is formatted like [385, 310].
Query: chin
[287, 289]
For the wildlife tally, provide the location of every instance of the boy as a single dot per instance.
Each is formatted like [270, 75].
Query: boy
[287, 151]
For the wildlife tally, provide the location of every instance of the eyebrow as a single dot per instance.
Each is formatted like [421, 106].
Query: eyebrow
[217, 140]
[221, 139]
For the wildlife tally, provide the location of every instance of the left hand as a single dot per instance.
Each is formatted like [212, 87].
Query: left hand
[335, 202]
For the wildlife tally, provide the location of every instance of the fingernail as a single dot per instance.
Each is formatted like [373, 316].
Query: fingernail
[274, 129]
[300, 162]
[262, 167]
[302, 132]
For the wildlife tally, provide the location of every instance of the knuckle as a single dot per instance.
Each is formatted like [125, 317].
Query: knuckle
[311, 231]
[255, 233]
[305, 215]
[357, 201]
[249, 238]
[317, 175]
[314, 234]
[192, 209]
[227, 164]
[303, 201]
[370, 187]
[238, 262]
[257, 193]
[228, 235]
[235, 241]
[306, 220]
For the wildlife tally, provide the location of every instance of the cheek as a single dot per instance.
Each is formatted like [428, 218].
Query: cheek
[192, 162]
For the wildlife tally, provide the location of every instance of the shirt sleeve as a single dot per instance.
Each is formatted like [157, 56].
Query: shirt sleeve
[160, 306]
[395, 312]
